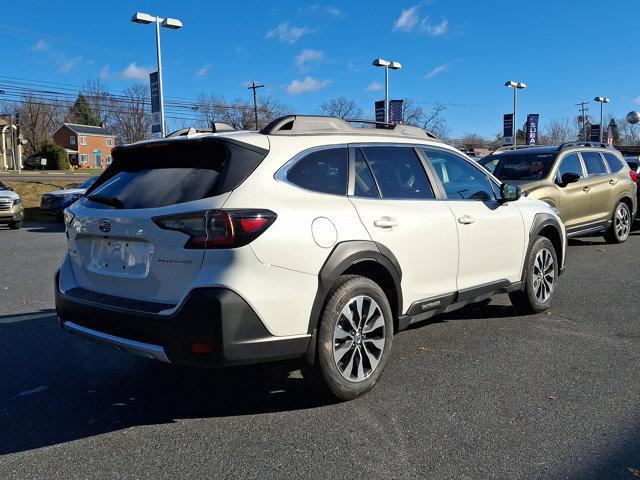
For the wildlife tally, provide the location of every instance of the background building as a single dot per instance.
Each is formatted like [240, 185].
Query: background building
[87, 146]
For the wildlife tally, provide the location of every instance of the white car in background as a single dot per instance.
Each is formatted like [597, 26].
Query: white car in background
[310, 239]
[11, 208]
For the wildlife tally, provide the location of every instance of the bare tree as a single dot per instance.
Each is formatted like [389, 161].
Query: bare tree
[39, 117]
[341, 107]
[470, 141]
[270, 108]
[240, 113]
[432, 120]
[558, 131]
[99, 99]
[131, 118]
[628, 133]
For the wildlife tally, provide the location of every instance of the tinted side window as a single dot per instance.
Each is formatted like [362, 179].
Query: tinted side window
[365, 185]
[570, 164]
[399, 172]
[594, 163]
[323, 171]
[460, 179]
[615, 164]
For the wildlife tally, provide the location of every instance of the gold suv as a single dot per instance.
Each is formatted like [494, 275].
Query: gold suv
[589, 184]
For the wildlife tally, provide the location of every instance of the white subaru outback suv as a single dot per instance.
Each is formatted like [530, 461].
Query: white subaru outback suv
[311, 239]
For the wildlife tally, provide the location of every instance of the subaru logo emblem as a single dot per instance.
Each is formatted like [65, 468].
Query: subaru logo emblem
[104, 225]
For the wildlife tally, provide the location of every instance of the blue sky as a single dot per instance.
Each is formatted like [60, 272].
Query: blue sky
[458, 53]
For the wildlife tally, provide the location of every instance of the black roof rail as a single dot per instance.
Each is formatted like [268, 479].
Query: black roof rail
[216, 127]
[316, 124]
[567, 145]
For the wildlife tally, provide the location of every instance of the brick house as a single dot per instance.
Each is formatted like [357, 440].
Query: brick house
[86, 145]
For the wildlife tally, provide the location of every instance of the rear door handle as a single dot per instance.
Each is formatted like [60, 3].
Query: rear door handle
[466, 220]
[586, 189]
[386, 222]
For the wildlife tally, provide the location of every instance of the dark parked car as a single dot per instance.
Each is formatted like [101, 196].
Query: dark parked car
[54, 203]
[32, 163]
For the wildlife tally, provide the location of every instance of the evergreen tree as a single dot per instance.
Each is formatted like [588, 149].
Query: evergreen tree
[82, 113]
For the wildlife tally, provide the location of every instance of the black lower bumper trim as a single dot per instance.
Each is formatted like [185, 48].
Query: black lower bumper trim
[216, 316]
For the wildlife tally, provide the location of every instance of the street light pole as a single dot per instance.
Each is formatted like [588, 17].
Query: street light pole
[380, 62]
[160, 93]
[601, 101]
[516, 86]
[144, 18]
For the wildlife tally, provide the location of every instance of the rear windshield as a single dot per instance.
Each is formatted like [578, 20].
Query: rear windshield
[520, 166]
[160, 174]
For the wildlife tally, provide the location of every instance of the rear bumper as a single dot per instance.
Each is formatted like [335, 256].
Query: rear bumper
[217, 316]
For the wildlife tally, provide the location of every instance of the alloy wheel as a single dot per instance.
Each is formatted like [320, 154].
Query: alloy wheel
[359, 338]
[543, 275]
[622, 222]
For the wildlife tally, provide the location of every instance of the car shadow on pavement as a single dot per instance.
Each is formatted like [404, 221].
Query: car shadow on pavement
[44, 227]
[56, 388]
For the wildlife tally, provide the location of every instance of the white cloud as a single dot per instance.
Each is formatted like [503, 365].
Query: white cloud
[353, 66]
[637, 101]
[434, 30]
[202, 71]
[374, 87]
[288, 34]
[105, 72]
[306, 57]
[328, 10]
[309, 84]
[40, 46]
[440, 69]
[136, 72]
[408, 19]
[67, 64]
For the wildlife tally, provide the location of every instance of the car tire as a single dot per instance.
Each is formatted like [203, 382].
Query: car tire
[15, 225]
[351, 353]
[620, 224]
[541, 273]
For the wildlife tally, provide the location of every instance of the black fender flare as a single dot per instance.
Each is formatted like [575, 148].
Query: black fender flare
[345, 255]
[540, 221]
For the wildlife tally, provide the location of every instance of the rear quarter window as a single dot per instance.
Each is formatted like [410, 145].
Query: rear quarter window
[615, 164]
[322, 171]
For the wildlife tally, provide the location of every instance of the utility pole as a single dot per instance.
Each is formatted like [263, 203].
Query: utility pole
[583, 110]
[254, 86]
[18, 146]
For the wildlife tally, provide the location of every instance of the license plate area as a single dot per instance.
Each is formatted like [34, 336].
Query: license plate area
[119, 257]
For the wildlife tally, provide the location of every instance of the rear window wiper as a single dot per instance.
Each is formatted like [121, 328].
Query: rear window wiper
[105, 200]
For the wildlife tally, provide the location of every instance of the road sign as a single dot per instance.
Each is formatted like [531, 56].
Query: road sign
[156, 118]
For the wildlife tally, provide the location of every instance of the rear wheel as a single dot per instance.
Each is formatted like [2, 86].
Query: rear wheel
[354, 338]
[621, 224]
[541, 272]
[15, 225]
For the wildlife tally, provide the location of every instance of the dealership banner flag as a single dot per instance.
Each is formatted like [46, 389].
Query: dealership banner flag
[156, 119]
[532, 128]
[380, 111]
[395, 111]
[507, 129]
[595, 133]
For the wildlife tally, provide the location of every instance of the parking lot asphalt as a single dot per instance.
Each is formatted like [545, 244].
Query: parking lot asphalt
[479, 393]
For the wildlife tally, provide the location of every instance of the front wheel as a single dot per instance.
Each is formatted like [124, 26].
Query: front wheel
[354, 338]
[15, 225]
[621, 225]
[541, 272]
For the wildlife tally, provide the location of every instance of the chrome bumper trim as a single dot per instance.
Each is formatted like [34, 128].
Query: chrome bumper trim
[147, 350]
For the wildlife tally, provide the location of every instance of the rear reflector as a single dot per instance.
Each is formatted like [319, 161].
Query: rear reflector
[201, 348]
[218, 228]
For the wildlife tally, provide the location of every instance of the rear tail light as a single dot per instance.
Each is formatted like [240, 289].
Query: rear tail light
[634, 176]
[218, 228]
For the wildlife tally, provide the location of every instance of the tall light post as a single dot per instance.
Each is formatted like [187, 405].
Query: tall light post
[601, 101]
[379, 62]
[516, 86]
[172, 23]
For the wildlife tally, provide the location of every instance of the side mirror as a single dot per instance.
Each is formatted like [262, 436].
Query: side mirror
[10, 189]
[568, 178]
[509, 192]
